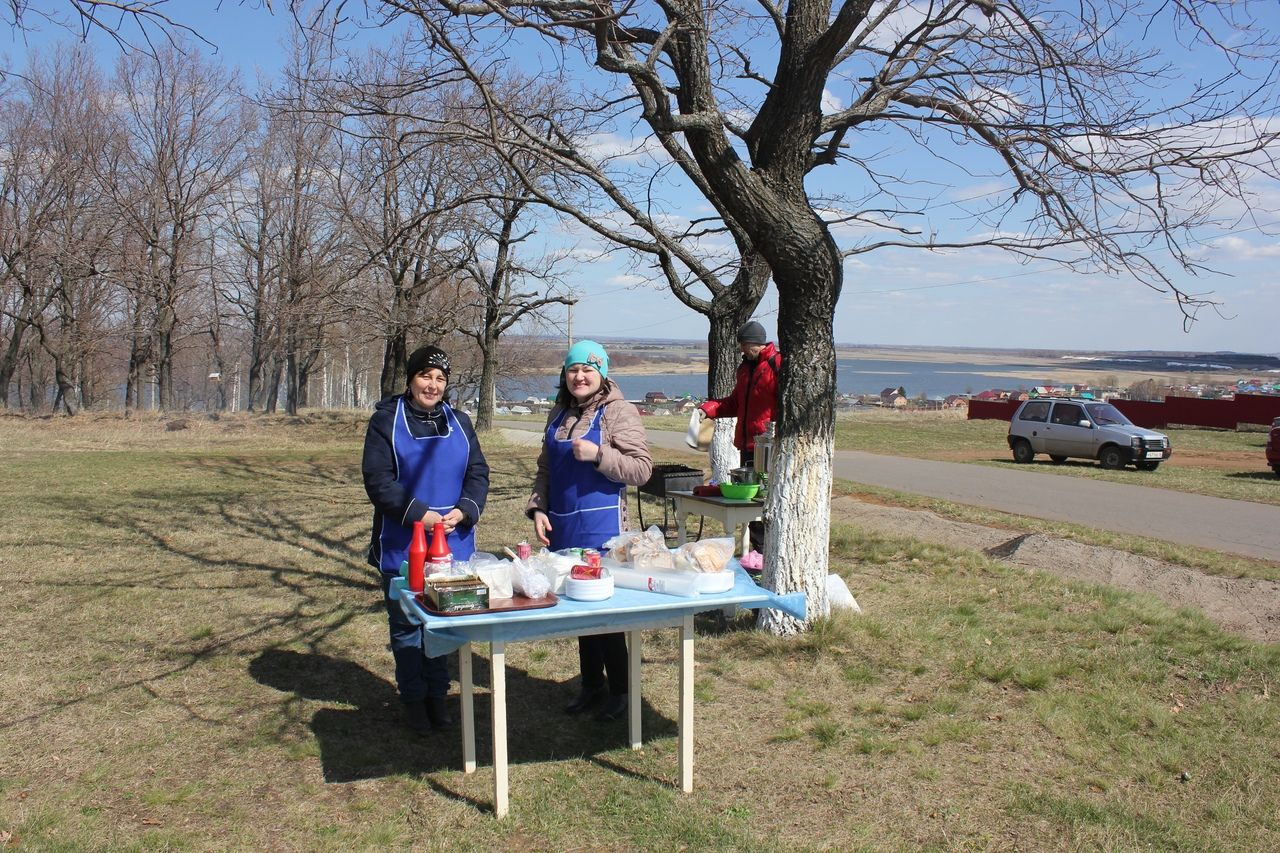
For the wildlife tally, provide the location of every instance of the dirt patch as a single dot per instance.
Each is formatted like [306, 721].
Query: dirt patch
[1245, 606]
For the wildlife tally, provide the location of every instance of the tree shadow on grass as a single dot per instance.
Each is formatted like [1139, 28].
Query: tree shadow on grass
[1253, 475]
[362, 736]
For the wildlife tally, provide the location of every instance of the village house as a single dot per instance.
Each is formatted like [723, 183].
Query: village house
[894, 398]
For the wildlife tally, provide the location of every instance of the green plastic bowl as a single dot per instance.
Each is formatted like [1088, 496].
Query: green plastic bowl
[739, 491]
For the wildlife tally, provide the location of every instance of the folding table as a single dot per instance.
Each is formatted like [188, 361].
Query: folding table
[727, 511]
[632, 611]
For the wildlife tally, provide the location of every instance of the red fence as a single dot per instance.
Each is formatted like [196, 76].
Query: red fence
[1185, 411]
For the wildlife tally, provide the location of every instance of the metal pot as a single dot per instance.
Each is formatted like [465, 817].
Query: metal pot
[746, 475]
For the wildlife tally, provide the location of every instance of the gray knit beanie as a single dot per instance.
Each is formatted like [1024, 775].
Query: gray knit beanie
[752, 333]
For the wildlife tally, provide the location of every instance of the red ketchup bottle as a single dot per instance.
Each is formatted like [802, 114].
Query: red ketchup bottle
[439, 557]
[417, 557]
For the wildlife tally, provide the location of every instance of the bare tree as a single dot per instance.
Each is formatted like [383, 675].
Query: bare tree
[511, 289]
[544, 137]
[134, 25]
[310, 239]
[406, 202]
[53, 229]
[1106, 169]
[183, 123]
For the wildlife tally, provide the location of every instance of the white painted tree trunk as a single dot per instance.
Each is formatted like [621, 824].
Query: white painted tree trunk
[797, 518]
[724, 456]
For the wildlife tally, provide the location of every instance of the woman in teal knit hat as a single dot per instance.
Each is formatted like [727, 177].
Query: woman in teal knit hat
[593, 448]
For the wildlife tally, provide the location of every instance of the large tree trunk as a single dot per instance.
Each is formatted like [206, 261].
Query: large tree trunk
[164, 359]
[9, 362]
[487, 393]
[66, 387]
[291, 392]
[808, 272]
[726, 316]
[395, 355]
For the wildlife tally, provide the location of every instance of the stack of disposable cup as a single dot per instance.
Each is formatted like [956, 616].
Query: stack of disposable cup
[684, 584]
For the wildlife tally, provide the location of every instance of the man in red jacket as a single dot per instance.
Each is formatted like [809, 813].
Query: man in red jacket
[755, 393]
[753, 399]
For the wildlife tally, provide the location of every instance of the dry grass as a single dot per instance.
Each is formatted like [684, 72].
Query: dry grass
[195, 659]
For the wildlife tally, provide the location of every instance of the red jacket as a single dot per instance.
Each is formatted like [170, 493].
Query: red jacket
[753, 399]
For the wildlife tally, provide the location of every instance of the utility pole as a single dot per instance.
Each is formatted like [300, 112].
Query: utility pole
[571, 303]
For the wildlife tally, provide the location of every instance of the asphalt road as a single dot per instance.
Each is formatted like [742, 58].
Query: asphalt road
[1233, 527]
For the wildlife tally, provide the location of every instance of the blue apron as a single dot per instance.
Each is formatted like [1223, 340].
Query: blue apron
[584, 505]
[432, 469]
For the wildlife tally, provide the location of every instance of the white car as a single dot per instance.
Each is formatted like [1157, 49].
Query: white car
[1084, 429]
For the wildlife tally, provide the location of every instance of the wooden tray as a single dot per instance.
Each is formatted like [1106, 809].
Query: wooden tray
[497, 605]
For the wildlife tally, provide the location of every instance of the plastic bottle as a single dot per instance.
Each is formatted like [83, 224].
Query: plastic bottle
[417, 557]
[439, 555]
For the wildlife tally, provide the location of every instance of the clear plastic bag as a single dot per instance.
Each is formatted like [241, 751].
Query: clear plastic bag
[626, 547]
[528, 580]
[554, 567]
[497, 576]
[705, 555]
[839, 596]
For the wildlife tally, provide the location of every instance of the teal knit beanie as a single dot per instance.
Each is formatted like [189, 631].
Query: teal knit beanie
[589, 353]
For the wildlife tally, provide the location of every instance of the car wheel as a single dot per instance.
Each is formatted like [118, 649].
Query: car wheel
[1111, 457]
[1022, 452]
[1148, 466]
[1056, 459]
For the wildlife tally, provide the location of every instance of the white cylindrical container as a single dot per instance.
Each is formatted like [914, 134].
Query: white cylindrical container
[684, 584]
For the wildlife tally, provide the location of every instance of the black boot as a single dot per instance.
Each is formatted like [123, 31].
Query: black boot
[415, 717]
[588, 697]
[614, 709]
[438, 712]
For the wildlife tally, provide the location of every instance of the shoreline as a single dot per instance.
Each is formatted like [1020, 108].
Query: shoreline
[1057, 369]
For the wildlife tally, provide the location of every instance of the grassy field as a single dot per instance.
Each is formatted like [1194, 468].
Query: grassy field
[195, 658]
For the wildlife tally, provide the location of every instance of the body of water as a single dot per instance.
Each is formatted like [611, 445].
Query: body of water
[853, 376]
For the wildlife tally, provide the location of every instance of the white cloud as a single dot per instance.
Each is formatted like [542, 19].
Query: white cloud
[1239, 249]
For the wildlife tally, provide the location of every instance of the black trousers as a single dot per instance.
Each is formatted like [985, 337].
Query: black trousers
[599, 654]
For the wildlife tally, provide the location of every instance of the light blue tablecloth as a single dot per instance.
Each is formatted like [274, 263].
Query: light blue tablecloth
[627, 607]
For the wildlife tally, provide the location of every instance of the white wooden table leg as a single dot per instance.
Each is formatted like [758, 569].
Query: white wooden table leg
[633, 687]
[680, 513]
[498, 679]
[466, 683]
[686, 704]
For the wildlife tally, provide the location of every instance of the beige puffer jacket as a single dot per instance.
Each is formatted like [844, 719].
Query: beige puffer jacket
[625, 452]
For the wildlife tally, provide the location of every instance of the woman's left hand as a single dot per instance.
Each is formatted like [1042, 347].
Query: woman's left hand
[585, 451]
[452, 519]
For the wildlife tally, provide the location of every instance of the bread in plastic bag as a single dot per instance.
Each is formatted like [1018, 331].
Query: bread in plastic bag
[649, 561]
[705, 555]
[627, 546]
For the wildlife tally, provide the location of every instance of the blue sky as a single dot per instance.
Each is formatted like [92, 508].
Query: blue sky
[977, 298]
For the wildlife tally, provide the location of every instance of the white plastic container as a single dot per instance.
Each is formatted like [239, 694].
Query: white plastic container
[715, 581]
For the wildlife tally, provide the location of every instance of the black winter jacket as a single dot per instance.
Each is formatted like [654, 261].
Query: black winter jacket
[390, 498]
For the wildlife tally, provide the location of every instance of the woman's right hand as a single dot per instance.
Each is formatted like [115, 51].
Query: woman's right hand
[542, 526]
